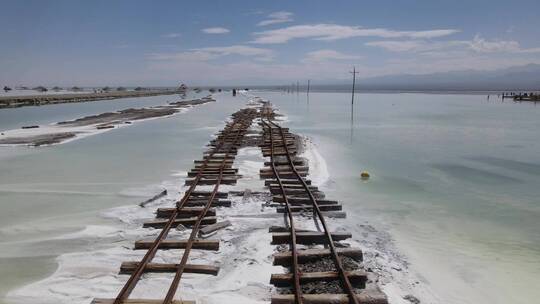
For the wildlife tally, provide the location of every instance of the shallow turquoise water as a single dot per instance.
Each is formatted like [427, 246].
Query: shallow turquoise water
[454, 178]
[17, 117]
[51, 191]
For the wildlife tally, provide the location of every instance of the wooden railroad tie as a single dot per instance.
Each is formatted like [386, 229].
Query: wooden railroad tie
[185, 212]
[291, 186]
[357, 277]
[326, 214]
[286, 181]
[209, 172]
[139, 301]
[297, 192]
[215, 203]
[212, 181]
[212, 245]
[285, 168]
[129, 267]
[364, 297]
[295, 209]
[209, 193]
[283, 174]
[284, 163]
[308, 237]
[306, 255]
[185, 221]
[293, 200]
[213, 161]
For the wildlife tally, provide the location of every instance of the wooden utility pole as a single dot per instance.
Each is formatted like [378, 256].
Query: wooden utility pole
[308, 86]
[354, 72]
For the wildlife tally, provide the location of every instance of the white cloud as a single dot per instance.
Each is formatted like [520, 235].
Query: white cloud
[193, 55]
[326, 55]
[171, 35]
[277, 17]
[241, 50]
[246, 72]
[398, 46]
[215, 30]
[477, 45]
[482, 45]
[330, 32]
[531, 50]
[210, 53]
[415, 45]
[471, 61]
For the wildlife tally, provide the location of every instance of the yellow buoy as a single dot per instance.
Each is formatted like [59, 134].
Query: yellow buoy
[364, 175]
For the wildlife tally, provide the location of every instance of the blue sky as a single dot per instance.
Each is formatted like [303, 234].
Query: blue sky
[257, 42]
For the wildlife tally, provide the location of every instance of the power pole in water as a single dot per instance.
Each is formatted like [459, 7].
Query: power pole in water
[354, 72]
[308, 86]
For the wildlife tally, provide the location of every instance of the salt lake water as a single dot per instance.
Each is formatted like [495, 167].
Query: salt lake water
[49, 192]
[454, 179]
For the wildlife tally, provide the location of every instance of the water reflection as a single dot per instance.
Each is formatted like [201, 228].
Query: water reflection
[352, 124]
[307, 101]
[447, 169]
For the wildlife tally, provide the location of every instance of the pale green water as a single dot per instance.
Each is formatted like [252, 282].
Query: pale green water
[51, 191]
[454, 179]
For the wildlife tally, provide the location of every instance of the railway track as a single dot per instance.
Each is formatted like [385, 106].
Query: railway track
[321, 268]
[295, 196]
[194, 210]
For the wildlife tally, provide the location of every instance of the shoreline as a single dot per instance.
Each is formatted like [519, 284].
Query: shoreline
[7, 102]
[65, 131]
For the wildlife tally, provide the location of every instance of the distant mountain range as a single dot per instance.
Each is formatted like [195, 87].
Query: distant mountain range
[517, 78]
[525, 78]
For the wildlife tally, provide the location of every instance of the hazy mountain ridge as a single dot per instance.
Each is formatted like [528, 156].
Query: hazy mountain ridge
[525, 77]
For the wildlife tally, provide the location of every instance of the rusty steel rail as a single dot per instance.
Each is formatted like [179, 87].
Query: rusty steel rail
[296, 272]
[134, 278]
[337, 261]
[195, 229]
